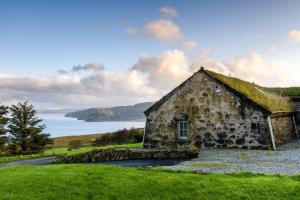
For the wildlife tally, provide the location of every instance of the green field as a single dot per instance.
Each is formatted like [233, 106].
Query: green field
[111, 182]
[64, 150]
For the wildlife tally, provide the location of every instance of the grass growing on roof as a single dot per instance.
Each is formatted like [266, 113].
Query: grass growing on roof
[271, 101]
[80, 182]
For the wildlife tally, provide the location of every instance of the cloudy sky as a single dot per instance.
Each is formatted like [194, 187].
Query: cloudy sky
[78, 54]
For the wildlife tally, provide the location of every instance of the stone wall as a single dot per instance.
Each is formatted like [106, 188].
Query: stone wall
[283, 129]
[100, 155]
[216, 116]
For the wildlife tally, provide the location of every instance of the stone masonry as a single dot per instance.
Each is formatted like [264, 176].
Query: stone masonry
[217, 116]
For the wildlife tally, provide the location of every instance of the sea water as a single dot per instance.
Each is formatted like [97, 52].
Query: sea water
[58, 125]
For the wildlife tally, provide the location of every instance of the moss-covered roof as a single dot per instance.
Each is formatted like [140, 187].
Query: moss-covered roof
[265, 97]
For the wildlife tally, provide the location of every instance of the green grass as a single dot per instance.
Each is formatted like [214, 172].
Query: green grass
[64, 150]
[81, 182]
[87, 140]
[289, 91]
[270, 101]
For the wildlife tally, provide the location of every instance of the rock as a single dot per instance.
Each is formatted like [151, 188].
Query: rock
[222, 135]
[240, 141]
[100, 155]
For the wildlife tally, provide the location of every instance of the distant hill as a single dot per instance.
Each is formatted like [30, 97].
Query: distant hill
[118, 113]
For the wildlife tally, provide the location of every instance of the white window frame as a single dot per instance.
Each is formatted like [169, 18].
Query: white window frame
[182, 129]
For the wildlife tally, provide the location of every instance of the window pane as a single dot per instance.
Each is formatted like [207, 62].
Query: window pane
[182, 129]
[185, 125]
[184, 133]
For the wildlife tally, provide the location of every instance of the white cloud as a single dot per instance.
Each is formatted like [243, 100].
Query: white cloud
[164, 71]
[254, 68]
[168, 11]
[189, 45]
[147, 80]
[294, 36]
[163, 30]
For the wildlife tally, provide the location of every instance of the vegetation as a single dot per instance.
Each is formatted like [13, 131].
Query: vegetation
[111, 182]
[118, 113]
[3, 122]
[62, 145]
[124, 136]
[25, 131]
[88, 140]
[75, 144]
[289, 91]
[64, 151]
[271, 101]
[192, 150]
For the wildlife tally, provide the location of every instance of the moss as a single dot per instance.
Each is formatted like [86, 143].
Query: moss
[243, 156]
[210, 165]
[262, 96]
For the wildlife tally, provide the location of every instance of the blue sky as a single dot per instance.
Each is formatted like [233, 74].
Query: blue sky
[38, 38]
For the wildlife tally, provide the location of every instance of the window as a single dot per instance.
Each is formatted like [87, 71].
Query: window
[182, 129]
[218, 90]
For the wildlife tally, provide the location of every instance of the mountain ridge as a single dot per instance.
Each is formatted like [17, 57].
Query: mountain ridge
[118, 113]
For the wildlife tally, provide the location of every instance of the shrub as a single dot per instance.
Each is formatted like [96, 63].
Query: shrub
[75, 144]
[124, 136]
[192, 150]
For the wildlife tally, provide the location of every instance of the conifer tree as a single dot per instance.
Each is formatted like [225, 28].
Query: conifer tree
[26, 131]
[3, 123]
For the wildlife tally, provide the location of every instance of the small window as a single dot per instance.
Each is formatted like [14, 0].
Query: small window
[218, 90]
[182, 129]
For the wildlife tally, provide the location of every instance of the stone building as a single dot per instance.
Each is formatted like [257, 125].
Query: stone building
[213, 110]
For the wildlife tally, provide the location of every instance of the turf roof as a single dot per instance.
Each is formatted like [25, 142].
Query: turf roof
[265, 97]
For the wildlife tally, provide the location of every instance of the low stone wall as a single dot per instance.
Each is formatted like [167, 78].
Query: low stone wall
[100, 155]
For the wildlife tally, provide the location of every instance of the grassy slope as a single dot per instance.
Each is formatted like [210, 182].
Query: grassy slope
[86, 140]
[65, 140]
[109, 182]
[290, 91]
[64, 150]
[262, 96]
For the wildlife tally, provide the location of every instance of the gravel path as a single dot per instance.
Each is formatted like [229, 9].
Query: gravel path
[284, 161]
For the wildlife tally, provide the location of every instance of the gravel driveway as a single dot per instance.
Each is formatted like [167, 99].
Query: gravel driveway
[284, 161]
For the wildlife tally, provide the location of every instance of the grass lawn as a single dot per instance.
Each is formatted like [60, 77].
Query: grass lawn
[111, 182]
[64, 150]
